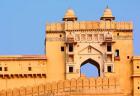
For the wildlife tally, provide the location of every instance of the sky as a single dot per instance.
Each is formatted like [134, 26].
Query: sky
[23, 22]
[92, 70]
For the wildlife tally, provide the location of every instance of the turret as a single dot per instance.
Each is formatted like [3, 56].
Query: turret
[107, 15]
[70, 16]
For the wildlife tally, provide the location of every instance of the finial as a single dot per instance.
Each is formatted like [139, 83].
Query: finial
[107, 7]
[69, 8]
[107, 1]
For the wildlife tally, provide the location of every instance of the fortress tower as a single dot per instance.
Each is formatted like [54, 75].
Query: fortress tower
[107, 44]
[70, 44]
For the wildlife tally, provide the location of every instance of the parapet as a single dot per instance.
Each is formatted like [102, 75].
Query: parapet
[136, 57]
[23, 57]
[55, 27]
[62, 88]
[89, 25]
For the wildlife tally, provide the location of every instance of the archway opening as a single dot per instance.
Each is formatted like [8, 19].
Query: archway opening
[90, 68]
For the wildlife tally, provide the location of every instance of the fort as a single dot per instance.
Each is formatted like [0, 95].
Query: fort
[70, 44]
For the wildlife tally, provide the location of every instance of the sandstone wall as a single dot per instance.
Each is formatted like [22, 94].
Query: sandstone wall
[82, 86]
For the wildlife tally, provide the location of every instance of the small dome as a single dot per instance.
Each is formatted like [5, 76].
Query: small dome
[107, 15]
[70, 15]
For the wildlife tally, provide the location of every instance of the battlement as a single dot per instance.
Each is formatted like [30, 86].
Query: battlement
[55, 27]
[89, 25]
[23, 57]
[68, 87]
[136, 57]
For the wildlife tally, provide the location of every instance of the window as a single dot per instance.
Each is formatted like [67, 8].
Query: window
[5, 68]
[29, 68]
[70, 47]
[89, 49]
[62, 48]
[127, 57]
[0, 68]
[77, 37]
[109, 47]
[89, 37]
[83, 37]
[138, 67]
[60, 35]
[109, 57]
[71, 58]
[118, 34]
[95, 37]
[138, 87]
[70, 69]
[101, 37]
[109, 68]
[117, 53]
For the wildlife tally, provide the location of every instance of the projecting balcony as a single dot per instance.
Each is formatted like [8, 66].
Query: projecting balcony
[108, 40]
[70, 40]
[70, 53]
[109, 52]
[109, 63]
[117, 58]
[70, 58]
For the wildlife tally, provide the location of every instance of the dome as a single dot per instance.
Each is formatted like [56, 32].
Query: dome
[69, 15]
[107, 15]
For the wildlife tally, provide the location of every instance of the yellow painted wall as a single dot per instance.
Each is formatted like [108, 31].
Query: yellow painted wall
[56, 58]
[123, 67]
[12, 77]
[136, 76]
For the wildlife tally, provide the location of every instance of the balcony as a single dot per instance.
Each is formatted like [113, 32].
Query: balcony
[108, 38]
[70, 40]
[70, 53]
[117, 58]
[109, 52]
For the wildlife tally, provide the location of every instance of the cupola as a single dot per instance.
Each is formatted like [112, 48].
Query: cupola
[107, 15]
[70, 15]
